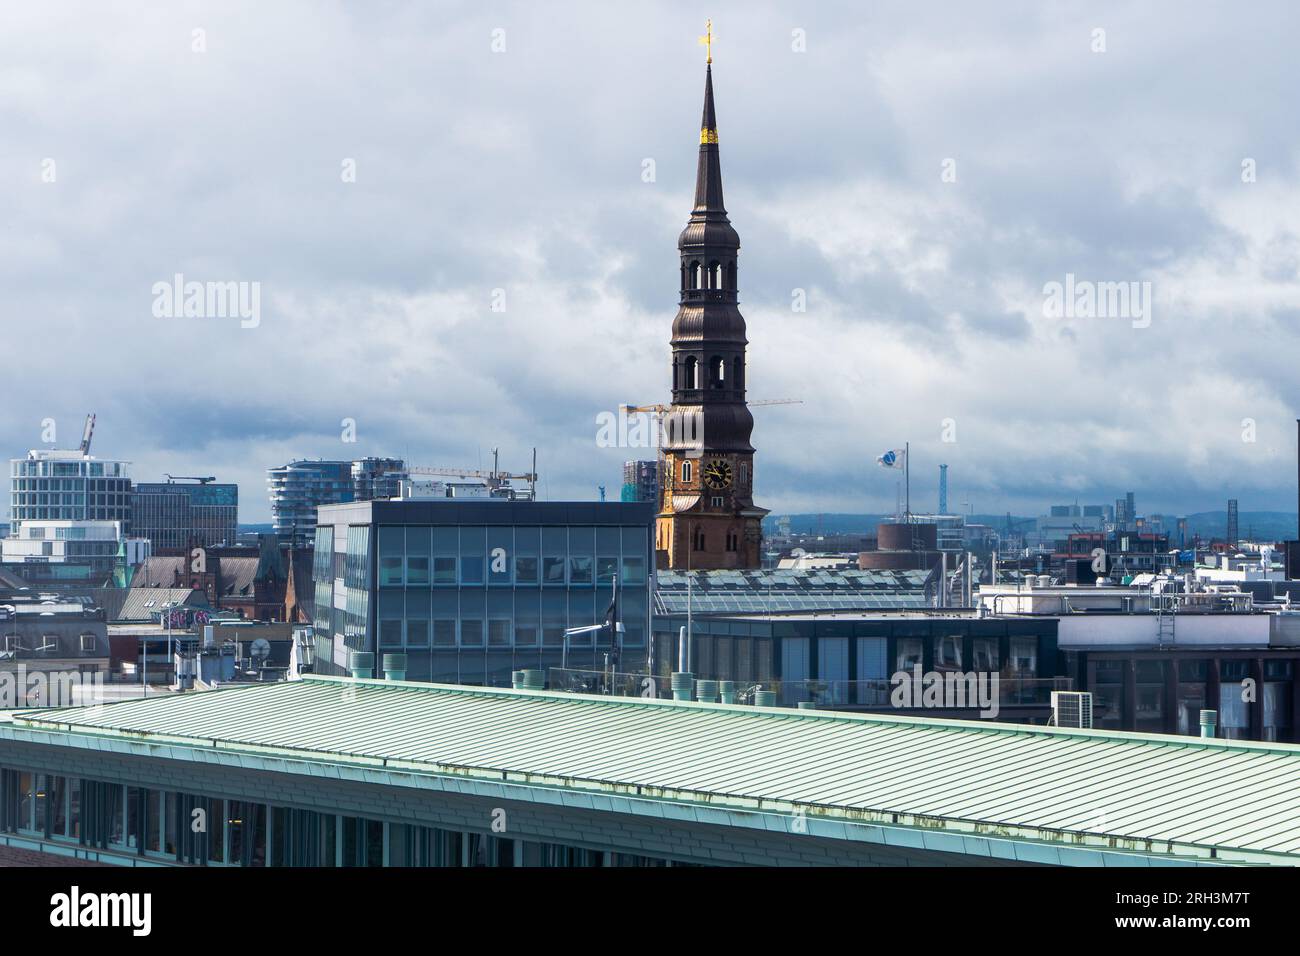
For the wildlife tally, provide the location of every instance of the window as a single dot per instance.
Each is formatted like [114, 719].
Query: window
[417, 556]
[908, 653]
[525, 570]
[500, 544]
[686, 471]
[984, 653]
[1024, 656]
[947, 652]
[527, 549]
[417, 633]
[555, 546]
[390, 633]
[446, 545]
[472, 551]
[581, 569]
[88, 643]
[418, 613]
[392, 545]
[499, 632]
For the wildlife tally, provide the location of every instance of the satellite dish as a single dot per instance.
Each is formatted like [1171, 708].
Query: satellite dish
[261, 649]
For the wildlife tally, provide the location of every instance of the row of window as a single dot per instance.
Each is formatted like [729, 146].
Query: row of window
[522, 618]
[208, 831]
[42, 469]
[714, 275]
[689, 376]
[472, 555]
[742, 473]
[47, 643]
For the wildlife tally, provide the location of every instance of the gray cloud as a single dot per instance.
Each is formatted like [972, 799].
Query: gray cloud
[522, 171]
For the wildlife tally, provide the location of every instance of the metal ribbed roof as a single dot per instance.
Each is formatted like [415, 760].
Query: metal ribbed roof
[1231, 800]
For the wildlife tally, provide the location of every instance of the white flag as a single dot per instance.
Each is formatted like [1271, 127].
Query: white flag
[894, 458]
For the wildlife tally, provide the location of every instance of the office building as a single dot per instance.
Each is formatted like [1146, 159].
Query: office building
[176, 515]
[59, 485]
[93, 553]
[472, 590]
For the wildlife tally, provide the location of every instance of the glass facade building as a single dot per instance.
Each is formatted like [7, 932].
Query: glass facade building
[176, 516]
[473, 590]
[66, 486]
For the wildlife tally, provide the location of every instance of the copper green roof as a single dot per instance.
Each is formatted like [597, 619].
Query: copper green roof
[1165, 797]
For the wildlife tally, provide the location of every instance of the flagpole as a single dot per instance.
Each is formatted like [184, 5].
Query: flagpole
[907, 479]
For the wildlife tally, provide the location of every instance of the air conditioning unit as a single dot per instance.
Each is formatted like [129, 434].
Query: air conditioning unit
[1071, 708]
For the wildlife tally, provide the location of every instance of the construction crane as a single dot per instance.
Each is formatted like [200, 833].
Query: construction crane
[201, 480]
[494, 478]
[86, 435]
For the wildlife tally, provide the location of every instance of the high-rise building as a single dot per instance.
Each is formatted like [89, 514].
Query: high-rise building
[641, 481]
[178, 515]
[1233, 534]
[68, 485]
[707, 516]
[297, 489]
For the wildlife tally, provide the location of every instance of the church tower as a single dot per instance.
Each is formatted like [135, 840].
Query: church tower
[707, 517]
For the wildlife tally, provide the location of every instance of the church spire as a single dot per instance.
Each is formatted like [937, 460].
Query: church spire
[708, 174]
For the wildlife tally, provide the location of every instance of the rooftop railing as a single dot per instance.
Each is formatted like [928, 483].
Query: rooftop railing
[1012, 691]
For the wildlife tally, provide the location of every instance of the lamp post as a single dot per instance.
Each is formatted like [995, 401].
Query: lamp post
[144, 648]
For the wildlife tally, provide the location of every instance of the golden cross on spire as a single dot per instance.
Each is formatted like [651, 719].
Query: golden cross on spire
[707, 40]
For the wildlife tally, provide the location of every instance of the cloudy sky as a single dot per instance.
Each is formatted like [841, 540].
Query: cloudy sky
[920, 170]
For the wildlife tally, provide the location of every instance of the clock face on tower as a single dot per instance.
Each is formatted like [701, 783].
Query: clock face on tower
[717, 474]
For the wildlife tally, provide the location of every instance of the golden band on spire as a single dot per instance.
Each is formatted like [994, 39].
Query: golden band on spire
[706, 41]
[708, 136]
